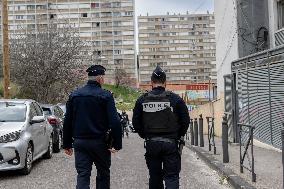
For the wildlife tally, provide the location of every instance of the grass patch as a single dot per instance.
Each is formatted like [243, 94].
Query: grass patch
[125, 97]
[14, 91]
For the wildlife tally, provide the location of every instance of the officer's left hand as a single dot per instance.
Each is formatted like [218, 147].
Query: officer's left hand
[113, 150]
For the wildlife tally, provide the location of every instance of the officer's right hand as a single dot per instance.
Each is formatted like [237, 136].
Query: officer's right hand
[69, 151]
[113, 150]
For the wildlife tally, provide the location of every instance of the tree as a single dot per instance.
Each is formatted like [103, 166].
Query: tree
[1, 66]
[47, 63]
[121, 77]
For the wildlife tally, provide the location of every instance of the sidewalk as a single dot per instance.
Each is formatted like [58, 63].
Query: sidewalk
[268, 165]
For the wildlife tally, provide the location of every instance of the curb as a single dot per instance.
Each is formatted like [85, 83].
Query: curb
[235, 180]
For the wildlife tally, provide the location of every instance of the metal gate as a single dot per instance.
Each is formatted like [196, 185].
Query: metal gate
[229, 104]
[258, 94]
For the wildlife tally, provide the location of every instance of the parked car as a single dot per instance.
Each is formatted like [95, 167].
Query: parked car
[25, 136]
[54, 116]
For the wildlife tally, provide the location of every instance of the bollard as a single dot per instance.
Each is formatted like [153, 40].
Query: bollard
[208, 122]
[213, 137]
[282, 137]
[195, 132]
[225, 144]
[191, 132]
[201, 131]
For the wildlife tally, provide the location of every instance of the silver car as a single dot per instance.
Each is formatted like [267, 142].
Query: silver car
[24, 135]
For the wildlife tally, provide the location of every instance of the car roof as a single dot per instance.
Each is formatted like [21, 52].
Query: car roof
[18, 100]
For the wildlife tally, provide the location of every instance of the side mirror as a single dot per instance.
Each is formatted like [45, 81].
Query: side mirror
[37, 119]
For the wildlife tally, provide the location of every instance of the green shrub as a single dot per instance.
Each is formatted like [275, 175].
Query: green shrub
[14, 91]
[125, 96]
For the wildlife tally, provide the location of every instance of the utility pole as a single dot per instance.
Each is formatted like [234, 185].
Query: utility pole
[6, 54]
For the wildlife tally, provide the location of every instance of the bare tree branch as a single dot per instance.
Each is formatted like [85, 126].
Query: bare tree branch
[46, 64]
[121, 77]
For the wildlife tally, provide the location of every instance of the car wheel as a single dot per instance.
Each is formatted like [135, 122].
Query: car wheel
[58, 144]
[28, 161]
[48, 154]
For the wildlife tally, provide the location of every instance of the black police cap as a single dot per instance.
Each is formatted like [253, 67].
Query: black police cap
[159, 74]
[96, 70]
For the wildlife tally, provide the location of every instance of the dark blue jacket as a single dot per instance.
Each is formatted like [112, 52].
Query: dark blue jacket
[90, 112]
[179, 109]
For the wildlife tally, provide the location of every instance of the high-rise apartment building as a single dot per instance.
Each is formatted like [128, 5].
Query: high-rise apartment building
[184, 45]
[107, 27]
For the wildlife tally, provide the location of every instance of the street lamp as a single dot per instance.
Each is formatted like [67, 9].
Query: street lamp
[209, 88]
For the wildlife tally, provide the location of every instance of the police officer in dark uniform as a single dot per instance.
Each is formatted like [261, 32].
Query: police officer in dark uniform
[161, 118]
[90, 114]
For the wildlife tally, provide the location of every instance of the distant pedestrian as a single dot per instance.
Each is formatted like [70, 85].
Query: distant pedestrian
[124, 123]
[90, 114]
[161, 118]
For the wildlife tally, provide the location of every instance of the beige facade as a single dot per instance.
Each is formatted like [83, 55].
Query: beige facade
[107, 27]
[184, 45]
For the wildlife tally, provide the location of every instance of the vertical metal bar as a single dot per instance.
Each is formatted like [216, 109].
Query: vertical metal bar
[213, 139]
[201, 131]
[209, 134]
[235, 109]
[252, 156]
[240, 139]
[191, 132]
[195, 132]
[282, 137]
[248, 93]
[225, 140]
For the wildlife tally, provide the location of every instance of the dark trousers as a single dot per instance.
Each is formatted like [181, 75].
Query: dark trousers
[87, 152]
[164, 163]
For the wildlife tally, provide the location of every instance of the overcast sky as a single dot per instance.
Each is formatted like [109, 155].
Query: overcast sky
[157, 7]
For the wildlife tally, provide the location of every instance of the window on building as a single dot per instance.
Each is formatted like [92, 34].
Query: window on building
[31, 26]
[280, 11]
[116, 4]
[96, 15]
[19, 17]
[31, 7]
[31, 17]
[116, 32]
[95, 5]
[85, 15]
[116, 14]
[128, 13]
[117, 23]
[106, 5]
[40, 7]
[117, 52]
[52, 16]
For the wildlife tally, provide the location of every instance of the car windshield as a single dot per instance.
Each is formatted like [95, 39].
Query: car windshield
[46, 111]
[12, 112]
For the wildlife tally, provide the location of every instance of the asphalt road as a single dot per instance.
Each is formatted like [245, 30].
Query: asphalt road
[128, 172]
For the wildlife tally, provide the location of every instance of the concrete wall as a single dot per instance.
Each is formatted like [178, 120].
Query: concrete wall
[226, 39]
[214, 109]
[272, 12]
[253, 20]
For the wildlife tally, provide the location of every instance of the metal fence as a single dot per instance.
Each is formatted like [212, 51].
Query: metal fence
[254, 95]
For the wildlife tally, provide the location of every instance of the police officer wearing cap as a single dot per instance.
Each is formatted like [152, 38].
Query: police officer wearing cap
[161, 118]
[90, 114]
